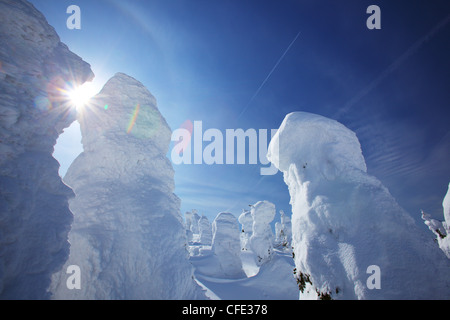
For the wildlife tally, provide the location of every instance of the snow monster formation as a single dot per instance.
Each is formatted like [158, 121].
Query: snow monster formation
[227, 247]
[36, 70]
[283, 231]
[205, 231]
[194, 222]
[246, 220]
[128, 237]
[261, 240]
[351, 239]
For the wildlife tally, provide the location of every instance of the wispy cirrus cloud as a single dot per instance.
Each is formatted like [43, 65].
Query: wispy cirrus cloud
[391, 68]
[410, 165]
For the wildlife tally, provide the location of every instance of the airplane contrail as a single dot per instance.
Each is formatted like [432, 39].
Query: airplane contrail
[270, 73]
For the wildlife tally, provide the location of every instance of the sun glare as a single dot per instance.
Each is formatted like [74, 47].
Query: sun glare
[81, 95]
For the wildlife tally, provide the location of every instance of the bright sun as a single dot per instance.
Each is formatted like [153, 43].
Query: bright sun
[81, 95]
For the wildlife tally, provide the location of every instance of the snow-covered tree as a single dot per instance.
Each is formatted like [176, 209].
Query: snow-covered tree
[278, 233]
[226, 245]
[246, 220]
[188, 220]
[263, 212]
[127, 237]
[191, 222]
[441, 229]
[194, 222]
[283, 231]
[205, 231]
[351, 239]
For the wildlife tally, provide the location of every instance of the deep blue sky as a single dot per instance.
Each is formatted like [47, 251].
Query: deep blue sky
[205, 60]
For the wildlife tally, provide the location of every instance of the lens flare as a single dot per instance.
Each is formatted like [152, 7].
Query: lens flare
[133, 118]
[80, 96]
[188, 125]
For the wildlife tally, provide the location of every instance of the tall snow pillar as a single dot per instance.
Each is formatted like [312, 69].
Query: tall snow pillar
[194, 222]
[226, 245]
[262, 213]
[246, 220]
[286, 226]
[128, 236]
[205, 231]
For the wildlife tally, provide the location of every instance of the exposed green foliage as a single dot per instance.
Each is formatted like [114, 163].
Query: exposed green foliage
[442, 236]
[302, 280]
[324, 296]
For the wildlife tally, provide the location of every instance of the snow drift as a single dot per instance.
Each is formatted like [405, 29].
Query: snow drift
[272, 281]
[35, 70]
[128, 237]
[345, 221]
[226, 272]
